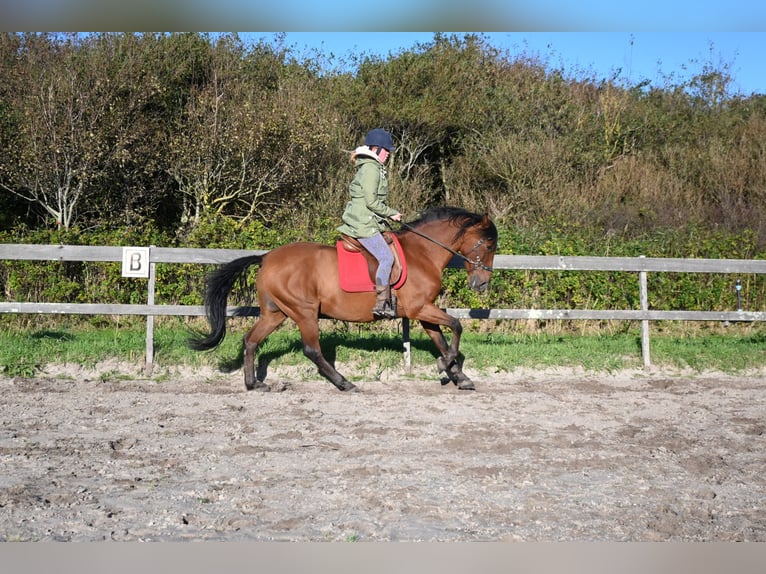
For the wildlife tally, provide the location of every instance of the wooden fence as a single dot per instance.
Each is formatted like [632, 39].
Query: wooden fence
[145, 259]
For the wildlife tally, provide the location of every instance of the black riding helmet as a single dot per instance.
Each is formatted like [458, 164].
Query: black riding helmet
[380, 138]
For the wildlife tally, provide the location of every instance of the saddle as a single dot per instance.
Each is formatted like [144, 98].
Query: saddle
[357, 267]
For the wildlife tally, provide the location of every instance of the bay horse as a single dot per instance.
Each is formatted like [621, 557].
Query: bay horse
[301, 281]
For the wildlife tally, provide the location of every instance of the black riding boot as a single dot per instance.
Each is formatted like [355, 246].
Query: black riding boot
[382, 306]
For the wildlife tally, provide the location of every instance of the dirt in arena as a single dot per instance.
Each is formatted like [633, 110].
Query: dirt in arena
[555, 455]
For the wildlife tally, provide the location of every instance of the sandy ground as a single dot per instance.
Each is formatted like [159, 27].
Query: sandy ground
[558, 455]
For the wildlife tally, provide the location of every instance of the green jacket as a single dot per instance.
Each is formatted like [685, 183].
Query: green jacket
[369, 193]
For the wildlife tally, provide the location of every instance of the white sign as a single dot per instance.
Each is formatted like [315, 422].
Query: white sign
[135, 262]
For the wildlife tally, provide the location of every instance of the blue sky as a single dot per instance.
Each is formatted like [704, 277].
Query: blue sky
[631, 56]
[392, 15]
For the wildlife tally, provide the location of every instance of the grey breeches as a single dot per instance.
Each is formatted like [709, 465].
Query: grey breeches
[382, 252]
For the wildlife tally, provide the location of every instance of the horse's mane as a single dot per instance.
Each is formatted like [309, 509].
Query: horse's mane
[457, 216]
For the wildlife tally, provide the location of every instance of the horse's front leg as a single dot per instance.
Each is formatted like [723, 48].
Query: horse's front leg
[448, 362]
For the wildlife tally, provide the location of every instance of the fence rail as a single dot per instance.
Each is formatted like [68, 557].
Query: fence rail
[639, 265]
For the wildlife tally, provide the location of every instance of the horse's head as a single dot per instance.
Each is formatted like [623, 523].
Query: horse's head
[478, 247]
[470, 236]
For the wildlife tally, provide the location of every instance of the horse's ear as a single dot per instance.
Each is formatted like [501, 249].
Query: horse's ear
[485, 221]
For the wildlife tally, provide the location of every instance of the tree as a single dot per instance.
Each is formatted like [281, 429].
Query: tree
[59, 133]
[215, 145]
[250, 138]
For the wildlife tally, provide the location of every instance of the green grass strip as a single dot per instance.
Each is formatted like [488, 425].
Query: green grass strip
[24, 352]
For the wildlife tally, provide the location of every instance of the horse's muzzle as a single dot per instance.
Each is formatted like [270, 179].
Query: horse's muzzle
[479, 281]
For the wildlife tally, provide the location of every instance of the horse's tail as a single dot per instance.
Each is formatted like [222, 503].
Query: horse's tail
[218, 286]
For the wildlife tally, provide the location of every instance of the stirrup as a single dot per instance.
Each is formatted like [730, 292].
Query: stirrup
[386, 312]
[385, 309]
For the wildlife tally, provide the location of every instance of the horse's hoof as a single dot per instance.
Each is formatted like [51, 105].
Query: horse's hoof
[466, 386]
[261, 387]
[346, 386]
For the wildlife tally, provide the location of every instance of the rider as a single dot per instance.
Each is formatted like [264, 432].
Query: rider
[367, 207]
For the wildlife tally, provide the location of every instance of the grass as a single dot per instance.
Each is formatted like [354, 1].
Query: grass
[26, 350]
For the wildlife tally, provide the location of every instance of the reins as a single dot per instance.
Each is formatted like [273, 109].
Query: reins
[476, 263]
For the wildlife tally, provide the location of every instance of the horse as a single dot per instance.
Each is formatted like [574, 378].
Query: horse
[301, 281]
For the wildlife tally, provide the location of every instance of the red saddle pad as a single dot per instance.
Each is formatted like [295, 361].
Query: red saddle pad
[354, 274]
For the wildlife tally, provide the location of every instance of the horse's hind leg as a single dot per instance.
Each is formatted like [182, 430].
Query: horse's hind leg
[310, 336]
[267, 322]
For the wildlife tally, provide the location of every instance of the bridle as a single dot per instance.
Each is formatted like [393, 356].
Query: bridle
[474, 263]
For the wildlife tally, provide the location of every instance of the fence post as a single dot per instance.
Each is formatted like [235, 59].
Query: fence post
[149, 366]
[644, 296]
[406, 343]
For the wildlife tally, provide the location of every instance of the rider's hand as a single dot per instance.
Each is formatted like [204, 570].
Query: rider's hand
[397, 217]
